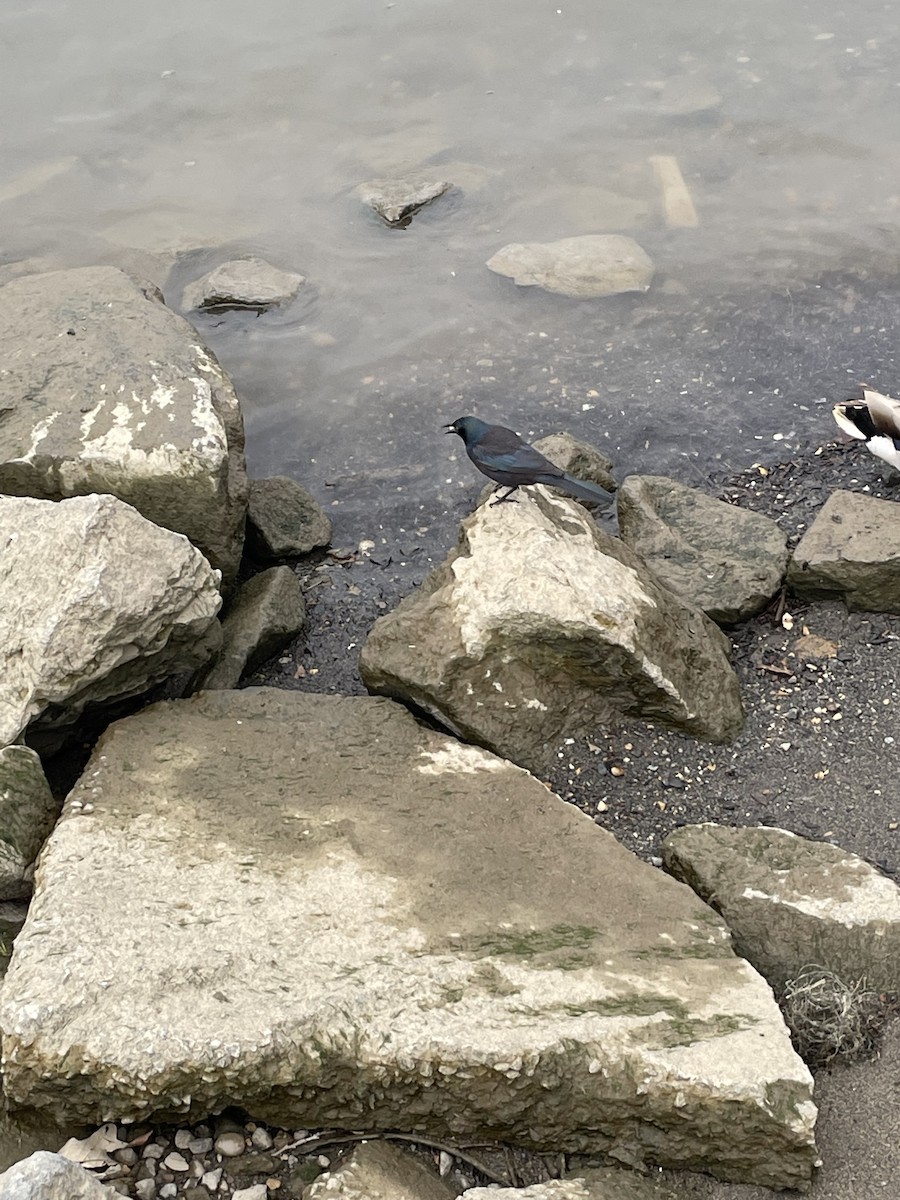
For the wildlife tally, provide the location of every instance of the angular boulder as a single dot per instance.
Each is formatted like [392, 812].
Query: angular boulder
[790, 902]
[266, 613]
[397, 201]
[540, 626]
[27, 814]
[724, 559]
[283, 519]
[96, 604]
[104, 389]
[851, 552]
[243, 283]
[46, 1176]
[338, 918]
[588, 266]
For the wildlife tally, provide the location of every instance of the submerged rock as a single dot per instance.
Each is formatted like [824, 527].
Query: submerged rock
[726, 560]
[588, 266]
[397, 201]
[540, 626]
[456, 950]
[243, 283]
[851, 552]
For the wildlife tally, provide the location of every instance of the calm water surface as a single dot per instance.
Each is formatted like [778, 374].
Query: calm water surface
[166, 138]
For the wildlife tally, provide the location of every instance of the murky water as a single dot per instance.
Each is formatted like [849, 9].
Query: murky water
[167, 138]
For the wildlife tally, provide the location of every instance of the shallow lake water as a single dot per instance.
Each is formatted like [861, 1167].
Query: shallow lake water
[168, 138]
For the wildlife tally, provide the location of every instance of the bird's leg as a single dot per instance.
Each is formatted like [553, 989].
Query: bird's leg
[508, 495]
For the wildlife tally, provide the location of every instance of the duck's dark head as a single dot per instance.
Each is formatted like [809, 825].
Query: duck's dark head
[854, 418]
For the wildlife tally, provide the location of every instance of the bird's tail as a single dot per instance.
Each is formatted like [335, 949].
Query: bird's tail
[590, 493]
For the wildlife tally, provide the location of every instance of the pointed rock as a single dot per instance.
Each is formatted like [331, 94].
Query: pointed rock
[539, 626]
[96, 604]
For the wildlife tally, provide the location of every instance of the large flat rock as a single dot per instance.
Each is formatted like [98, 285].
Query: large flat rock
[104, 389]
[314, 908]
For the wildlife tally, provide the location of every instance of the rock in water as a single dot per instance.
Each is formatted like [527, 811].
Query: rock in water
[243, 283]
[446, 944]
[588, 266]
[398, 200]
[540, 626]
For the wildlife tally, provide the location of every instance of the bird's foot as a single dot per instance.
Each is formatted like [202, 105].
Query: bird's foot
[508, 498]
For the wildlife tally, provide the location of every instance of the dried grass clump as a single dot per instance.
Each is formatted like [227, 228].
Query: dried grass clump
[832, 1019]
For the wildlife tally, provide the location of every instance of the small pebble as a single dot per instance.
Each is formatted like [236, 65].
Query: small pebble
[175, 1162]
[168, 1191]
[257, 1192]
[153, 1150]
[262, 1139]
[145, 1189]
[200, 1145]
[183, 1139]
[230, 1144]
[212, 1179]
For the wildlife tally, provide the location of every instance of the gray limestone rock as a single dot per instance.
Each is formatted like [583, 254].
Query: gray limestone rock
[283, 519]
[103, 389]
[96, 604]
[453, 949]
[726, 560]
[540, 626]
[46, 1176]
[27, 814]
[578, 458]
[790, 902]
[266, 613]
[379, 1171]
[587, 266]
[598, 1183]
[851, 552]
[243, 283]
[397, 201]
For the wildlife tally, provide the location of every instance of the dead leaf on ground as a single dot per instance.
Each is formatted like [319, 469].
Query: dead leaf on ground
[811, 645]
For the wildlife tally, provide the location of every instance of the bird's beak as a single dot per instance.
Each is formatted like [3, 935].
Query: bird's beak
[448, 429]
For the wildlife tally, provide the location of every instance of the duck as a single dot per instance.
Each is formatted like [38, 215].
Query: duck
[874, 420]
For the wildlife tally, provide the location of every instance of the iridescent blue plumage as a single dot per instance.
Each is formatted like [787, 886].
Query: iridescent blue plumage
[503, 456]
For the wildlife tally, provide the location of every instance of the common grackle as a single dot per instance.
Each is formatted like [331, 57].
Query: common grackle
[504, 457]
[874, 420]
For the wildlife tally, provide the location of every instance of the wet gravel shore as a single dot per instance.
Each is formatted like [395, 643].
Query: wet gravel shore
[817, 754]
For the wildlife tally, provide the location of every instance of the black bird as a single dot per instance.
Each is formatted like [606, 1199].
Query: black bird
[504, 457]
